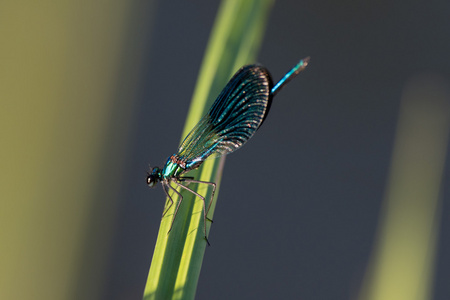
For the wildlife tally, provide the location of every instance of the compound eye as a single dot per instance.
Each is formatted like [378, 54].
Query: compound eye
[152, 180]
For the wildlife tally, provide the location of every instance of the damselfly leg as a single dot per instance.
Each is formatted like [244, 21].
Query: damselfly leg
[188, 180]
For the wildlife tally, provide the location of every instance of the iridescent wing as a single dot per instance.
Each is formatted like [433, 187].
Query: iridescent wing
[234, 117]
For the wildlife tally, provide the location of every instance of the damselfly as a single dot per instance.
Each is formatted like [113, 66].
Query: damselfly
[234, 117]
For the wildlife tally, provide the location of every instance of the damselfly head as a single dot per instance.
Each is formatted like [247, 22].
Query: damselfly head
[154, 177]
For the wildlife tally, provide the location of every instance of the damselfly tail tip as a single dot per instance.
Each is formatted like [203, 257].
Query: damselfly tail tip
[291, 74]
[303, 63]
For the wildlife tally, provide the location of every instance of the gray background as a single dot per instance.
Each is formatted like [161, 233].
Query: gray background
[326, 144]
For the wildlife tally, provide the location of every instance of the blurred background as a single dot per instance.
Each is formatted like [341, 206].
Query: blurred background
[347, 179]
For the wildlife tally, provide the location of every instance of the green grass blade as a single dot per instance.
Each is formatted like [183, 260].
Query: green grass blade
[403, 263]
[178, 256]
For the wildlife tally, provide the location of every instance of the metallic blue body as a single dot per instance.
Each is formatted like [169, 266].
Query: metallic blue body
[171, 169]
[232, 120]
